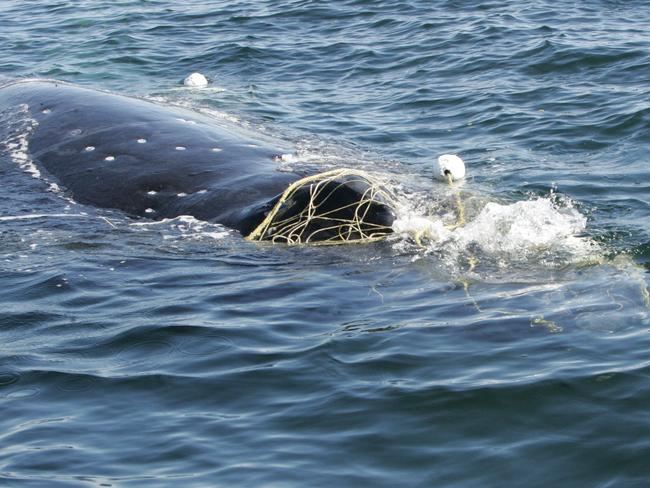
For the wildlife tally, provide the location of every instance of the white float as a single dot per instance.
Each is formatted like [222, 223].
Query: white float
[449, 165]
[196, 80]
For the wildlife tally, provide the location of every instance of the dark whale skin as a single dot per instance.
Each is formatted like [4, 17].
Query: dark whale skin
[230, 185]
[157, 161]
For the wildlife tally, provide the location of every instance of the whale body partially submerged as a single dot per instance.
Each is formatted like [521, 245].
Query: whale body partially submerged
[158, 162]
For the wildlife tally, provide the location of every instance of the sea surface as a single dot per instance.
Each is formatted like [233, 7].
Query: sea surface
[511, 351]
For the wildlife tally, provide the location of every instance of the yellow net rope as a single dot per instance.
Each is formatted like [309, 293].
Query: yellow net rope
[320, 219]
[460, 220]
[472, 261]
[460, 208]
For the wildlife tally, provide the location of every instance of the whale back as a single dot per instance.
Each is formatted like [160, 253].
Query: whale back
[157, 161]
[150, 160]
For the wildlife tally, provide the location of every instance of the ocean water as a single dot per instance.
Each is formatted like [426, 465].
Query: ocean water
[512, 351]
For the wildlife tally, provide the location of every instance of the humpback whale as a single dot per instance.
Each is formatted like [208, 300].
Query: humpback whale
[157, 161]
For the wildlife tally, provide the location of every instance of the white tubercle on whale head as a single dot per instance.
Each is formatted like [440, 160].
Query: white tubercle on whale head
[196, 80]
[449, 164]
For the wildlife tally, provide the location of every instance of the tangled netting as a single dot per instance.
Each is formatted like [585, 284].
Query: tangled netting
[334, 207]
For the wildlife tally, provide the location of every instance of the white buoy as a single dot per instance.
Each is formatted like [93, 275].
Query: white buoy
[196, 80]
[449, 164]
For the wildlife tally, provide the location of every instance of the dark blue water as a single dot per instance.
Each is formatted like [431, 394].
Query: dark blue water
[135, 353]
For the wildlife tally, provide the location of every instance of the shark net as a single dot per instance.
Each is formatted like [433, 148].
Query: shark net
[334, 207]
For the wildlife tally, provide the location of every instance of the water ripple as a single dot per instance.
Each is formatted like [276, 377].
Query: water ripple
[176, 353]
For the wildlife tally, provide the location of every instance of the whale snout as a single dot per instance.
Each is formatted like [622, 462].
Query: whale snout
[333, 207]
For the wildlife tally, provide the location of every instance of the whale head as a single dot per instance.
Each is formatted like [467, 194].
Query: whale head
[333, 207]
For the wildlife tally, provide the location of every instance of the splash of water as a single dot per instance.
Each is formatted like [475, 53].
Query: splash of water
[525, 228]
[531, 232]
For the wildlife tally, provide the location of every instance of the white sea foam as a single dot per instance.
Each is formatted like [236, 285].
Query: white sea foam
[17, 143]
[205, 90]
[308, 157]
[420, 227]
[192, 106]
[524, 227]
[21, 126]
[186, 121]
[185, 227]
[531, 231]
[41, 216]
